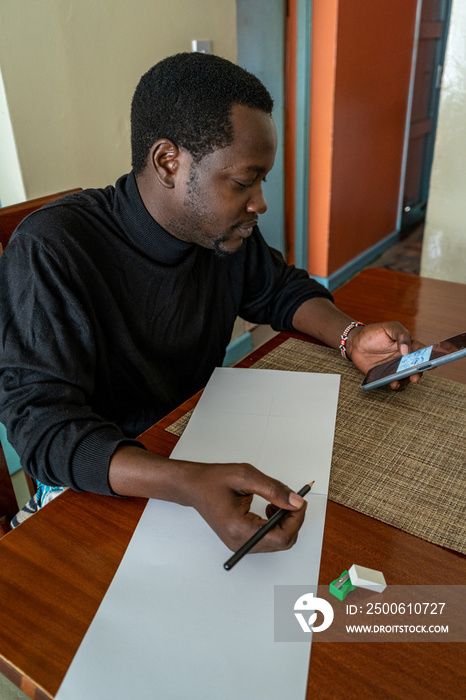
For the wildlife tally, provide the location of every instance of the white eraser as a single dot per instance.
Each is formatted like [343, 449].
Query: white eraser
[362, 577]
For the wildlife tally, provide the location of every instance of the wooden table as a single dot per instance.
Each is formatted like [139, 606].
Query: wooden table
[56, 567]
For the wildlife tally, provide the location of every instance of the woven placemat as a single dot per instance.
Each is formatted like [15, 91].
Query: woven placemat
[399, 456]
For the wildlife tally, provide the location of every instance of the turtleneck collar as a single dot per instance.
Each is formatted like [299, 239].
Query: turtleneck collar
[141, 229]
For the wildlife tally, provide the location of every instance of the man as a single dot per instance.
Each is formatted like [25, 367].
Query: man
[117, 304]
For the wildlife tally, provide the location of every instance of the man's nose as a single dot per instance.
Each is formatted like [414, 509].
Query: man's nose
[257, 203]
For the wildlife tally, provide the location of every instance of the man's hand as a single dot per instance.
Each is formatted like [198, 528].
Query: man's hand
[378, 342]
[366, 345]
[221, 493]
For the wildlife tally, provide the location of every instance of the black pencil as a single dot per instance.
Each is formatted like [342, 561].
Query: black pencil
[262, 531]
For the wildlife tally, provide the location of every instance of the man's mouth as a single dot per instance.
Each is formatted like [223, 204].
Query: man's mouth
[245, 230]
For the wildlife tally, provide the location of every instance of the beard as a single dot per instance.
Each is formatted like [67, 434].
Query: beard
[220, 252]
[192, 230]
[197, 224]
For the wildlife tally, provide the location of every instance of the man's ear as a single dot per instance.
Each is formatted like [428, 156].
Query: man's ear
[164, 158]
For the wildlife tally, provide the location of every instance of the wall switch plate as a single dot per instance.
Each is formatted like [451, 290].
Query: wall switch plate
[202, 46]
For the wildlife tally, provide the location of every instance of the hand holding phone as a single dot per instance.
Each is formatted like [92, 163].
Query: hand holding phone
[415, 362]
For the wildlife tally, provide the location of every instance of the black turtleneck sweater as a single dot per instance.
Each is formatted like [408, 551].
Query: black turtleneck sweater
[108, 322]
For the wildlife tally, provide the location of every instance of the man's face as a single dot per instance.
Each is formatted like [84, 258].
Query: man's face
[220, 198]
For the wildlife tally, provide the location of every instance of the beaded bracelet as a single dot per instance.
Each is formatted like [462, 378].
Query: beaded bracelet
[344, 337]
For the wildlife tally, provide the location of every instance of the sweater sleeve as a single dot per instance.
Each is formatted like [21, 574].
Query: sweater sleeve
[47, 372]
[274, 290]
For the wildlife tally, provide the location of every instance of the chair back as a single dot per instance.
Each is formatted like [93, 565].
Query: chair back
[10, 217]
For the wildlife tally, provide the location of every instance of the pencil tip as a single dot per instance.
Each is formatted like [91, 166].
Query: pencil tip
[312, 484]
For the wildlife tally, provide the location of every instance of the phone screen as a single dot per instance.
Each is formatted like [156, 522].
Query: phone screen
[424, 358]
[415, 358]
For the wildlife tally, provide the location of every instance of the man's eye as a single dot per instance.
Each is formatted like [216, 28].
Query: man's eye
[244, 185]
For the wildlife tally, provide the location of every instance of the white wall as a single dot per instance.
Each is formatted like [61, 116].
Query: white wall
[11, 181]
[70, 68]
[444, 247]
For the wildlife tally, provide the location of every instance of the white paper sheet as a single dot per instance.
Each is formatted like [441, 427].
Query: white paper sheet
[174, 624]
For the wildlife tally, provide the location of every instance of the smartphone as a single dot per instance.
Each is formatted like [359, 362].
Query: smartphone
[415, 362]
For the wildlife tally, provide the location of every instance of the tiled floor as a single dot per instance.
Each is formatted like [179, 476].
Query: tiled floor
[8, 691]
[21, 491]
[404, 256]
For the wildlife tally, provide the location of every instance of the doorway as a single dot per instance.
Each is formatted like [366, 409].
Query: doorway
[432, 29]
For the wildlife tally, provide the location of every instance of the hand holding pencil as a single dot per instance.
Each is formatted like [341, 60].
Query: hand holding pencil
[272, 522]
[223, 493]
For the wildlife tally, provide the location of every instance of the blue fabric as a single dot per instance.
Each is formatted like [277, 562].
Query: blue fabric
[43, 495]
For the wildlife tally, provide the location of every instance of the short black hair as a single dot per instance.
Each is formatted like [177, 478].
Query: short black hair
[188, 98]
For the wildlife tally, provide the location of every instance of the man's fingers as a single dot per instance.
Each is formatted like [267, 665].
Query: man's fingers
[273, 491]
[222, 494]
[415, 378]
[284, 534]
[401, 384]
